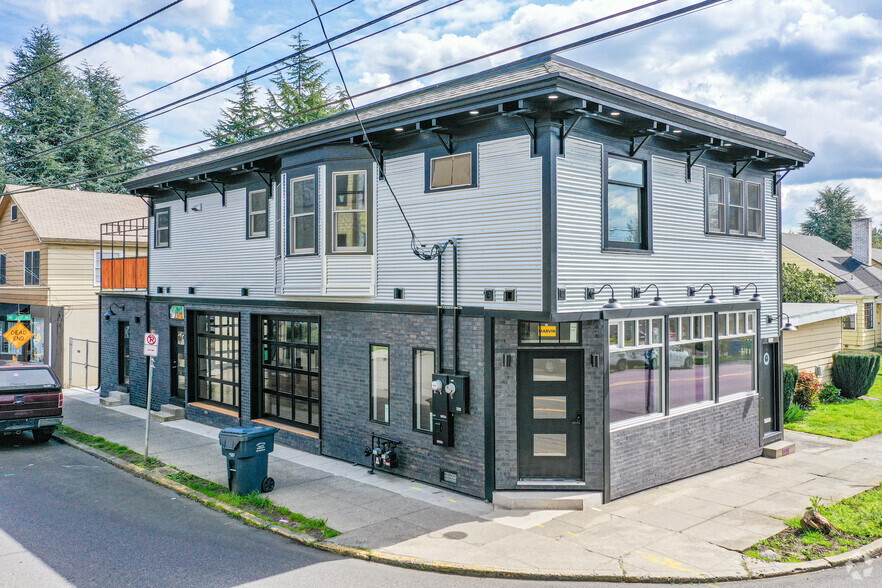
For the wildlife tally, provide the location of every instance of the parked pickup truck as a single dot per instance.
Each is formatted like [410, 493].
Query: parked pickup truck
[30, 400]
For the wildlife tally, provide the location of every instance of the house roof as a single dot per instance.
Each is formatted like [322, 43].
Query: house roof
[73, 215]
[808, 313]
[852, 277]
[538, 75]
[876, 254]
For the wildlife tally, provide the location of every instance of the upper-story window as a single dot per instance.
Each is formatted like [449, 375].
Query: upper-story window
[626, 210]
[2, 269]
[734, 207]
[350, 212]
[161, 228]
[257, 214]
[301, 216]
[451, 171]
[14, 212]
[32, 268]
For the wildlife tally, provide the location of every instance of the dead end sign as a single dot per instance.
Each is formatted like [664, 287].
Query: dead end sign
[151, 344]
[18, 335]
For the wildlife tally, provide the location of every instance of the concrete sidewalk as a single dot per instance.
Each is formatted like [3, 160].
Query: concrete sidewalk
[690, 529]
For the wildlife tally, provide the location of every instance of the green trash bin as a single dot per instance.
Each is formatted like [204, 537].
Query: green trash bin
[247, 451]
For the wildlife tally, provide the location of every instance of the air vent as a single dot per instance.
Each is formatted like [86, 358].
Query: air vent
[159, 289]
[510, 295]
[398, 293]
[192, 290]
[561, 293]
[449, 477]
[244, 292]
[507, 359]
[489, 295]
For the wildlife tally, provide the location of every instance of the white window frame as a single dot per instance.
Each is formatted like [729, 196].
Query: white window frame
[467, 156]
[653, 343]
[872, 307]
[157, 242]
[335, 212]
[850, 319]
[252, 234]
[96, 270]
[292, 225]
[36, 274]
[748, 209]
[744, 327]
[677, 338]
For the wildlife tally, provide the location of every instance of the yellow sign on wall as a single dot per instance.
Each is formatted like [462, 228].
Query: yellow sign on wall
[548, 330]
[18, 335]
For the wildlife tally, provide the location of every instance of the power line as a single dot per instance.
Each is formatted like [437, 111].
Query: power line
[92, 44]
[212, 88]
[238, 53]
[587, 41]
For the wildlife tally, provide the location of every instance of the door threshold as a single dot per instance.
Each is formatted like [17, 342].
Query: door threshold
[551, 482]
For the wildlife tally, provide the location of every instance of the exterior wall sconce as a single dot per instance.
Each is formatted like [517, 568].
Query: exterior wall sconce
[788, 326]
[110, 312]
[613, 304]
[691, 291]
[657, 301]
[736, 290]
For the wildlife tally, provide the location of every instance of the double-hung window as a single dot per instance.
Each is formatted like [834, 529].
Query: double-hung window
[737, 341]
[32, 268]
[734, 207]
[869, 316]
[423, 368]
[301, 216]
[161, 228]
[350, 212]
[626, 211]
[257, 214]
[636, 351]
[2, 269]
[380, 383]
[690, 359]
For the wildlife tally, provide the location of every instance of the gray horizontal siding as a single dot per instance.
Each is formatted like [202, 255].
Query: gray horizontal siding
[682, 253]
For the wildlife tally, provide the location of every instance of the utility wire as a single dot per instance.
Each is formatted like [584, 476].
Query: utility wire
[238, 53]
[212, 88]
[602, 36]
[92, 44]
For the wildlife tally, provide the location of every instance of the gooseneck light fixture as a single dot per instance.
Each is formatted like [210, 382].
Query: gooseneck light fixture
[636, 291]
[756, 296]
[613, 304]
[788, 326]
[110, 312]
[691, 291]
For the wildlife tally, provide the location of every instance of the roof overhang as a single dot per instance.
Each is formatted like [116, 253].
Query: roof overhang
[805, 314]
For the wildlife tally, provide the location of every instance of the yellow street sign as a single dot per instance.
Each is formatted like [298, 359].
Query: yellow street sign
[18, 335]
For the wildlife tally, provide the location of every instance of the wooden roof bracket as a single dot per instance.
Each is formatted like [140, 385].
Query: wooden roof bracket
[565, 132]
[448, 145]
[776, 179]
[222, 190]
[690, 162]
[266, 180]
[183, 198]
[646, 134]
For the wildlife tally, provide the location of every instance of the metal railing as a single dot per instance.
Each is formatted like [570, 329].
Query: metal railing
[124, 254]
[81, 350]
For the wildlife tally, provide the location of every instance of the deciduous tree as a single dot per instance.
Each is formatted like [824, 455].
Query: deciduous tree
[830, 216]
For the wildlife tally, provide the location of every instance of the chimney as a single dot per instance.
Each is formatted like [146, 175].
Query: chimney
[862, 240]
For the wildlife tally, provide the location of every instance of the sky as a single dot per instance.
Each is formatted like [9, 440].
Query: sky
[811, 67]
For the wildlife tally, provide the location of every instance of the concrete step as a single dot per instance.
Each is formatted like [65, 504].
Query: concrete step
[168, 412]
[779, 449]
[115, 398]
[546, 499]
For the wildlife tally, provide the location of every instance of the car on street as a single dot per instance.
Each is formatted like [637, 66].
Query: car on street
[30, 400]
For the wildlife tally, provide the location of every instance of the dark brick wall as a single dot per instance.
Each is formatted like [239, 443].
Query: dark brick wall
[135, 308]
[680, 446]
[506, 404]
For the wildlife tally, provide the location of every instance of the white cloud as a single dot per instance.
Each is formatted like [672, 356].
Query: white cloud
[194, 13]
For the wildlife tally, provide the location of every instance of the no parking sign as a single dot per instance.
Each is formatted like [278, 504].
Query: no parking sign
[151, 344]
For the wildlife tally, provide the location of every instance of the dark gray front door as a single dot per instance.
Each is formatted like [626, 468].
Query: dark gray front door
[768, 388]
[550, 416]
[178, 350]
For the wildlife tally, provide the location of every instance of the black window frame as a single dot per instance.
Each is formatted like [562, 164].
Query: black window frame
[290, 235]
[249, 234]
[645, 243]
[2, 269]
[313, 373]
[13, 213]
[372, 416]
[198, 358]
[416, 404]
[124, 353]
[727, 207]
[156, 228]
[548, 342]
[32, 275]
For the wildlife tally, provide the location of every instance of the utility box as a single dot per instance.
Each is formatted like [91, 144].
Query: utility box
[442, 431]
[247, 451]
[453, 397]
[439, 396]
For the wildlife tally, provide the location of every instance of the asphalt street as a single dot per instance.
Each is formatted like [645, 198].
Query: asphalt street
[67, 518]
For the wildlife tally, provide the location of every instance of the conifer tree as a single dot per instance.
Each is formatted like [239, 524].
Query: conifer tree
[238, 121]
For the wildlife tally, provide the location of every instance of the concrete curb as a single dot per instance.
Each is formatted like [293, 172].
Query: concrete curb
[776, 569]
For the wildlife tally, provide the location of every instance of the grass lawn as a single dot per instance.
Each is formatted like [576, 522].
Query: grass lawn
[852, 420]
[876, 390]
[858, 519]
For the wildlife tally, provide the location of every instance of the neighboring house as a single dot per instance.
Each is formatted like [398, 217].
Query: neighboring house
[50, 270]
[877, 258]
[858, 282]
[819, 336]
[284, 290]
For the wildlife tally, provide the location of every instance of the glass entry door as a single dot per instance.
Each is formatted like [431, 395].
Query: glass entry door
[550, 430]
[178, 350]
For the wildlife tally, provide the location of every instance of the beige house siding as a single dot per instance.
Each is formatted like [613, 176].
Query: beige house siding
[861, 337]
[788, 256]
[16, 237]
[813, 345]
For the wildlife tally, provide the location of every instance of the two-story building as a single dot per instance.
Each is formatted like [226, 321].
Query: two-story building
[607, 315]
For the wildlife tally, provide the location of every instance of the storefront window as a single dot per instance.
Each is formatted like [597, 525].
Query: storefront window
[690, 358]
[737, 361]
[635, 363]
[291, 381]
[217, 358]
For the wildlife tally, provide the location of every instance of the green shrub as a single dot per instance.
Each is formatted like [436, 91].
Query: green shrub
[854, 372]
[793, 414]
[791, 374]
[808, 387]
[830, 394]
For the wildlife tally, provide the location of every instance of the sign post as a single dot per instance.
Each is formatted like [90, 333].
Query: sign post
[151, 350]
